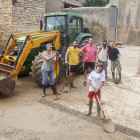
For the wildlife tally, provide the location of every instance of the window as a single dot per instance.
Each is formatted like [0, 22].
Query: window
[72, 27]
[56, 23]
[79, 25]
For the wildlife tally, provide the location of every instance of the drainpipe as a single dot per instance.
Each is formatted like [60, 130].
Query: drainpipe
[117, 22]
[116, 26]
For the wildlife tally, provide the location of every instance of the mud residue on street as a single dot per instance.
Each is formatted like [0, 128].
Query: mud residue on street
[22, 116]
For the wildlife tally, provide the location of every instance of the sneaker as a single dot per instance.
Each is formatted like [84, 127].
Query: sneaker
[43, 94]
[73, 86]
[85, 83]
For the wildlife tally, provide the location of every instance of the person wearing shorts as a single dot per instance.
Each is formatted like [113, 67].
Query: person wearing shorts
[90, 51]
[103, 56]
[96, 80]
[114, 56]
[74, 58]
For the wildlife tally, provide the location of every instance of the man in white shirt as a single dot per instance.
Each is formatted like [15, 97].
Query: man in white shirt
[103, 56]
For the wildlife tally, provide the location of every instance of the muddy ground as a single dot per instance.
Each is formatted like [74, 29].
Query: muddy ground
[25, 116]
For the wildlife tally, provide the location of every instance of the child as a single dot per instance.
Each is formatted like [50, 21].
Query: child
[96, 80]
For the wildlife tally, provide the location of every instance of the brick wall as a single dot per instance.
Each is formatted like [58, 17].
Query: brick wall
[24, 14]
[20, 17]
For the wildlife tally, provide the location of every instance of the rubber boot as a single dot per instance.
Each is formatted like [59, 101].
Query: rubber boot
[113, 75]
[106, 78]
[54, 90]
[120, 77]
[90, 109]
[44, 90]
[99, 111]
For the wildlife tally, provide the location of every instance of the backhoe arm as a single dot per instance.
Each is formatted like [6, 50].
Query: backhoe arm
[29, 44]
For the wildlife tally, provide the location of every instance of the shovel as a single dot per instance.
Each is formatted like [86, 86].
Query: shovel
[66, 86]
[116, 80]
[107, 124]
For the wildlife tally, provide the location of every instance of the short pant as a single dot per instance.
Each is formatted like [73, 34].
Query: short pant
[105, 64]
[89, 64]
[92, 94]
[115, 64]
[72, 68]
[45, 75]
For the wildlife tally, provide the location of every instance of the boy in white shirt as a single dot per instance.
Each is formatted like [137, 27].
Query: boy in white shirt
[96, 80]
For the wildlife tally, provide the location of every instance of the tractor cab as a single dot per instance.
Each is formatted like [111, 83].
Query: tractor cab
[70, 25]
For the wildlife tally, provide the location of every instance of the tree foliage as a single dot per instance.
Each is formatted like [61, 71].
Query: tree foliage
[94, 3]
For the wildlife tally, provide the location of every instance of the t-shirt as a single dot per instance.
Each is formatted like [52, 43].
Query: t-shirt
[96, 79]
[113, 54]
[90, 51]
[73, 55]
[47, 65]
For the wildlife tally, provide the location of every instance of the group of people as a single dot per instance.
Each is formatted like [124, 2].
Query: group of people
[93, 57]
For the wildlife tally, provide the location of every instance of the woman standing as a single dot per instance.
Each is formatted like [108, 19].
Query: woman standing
[48, 69]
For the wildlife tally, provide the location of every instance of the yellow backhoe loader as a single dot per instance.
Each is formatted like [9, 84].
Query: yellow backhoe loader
[9, 73]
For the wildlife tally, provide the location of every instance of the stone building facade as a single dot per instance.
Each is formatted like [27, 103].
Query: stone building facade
[6, 21]
[23, 14]
[19, 17]
[128, 25]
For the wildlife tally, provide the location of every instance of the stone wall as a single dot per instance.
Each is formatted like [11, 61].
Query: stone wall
[58, 5]
[55, 6]
[20, 17]
[128, 21]
[5, 21]
[24, 14]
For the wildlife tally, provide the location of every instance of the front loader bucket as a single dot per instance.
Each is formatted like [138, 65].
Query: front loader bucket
[7, 80]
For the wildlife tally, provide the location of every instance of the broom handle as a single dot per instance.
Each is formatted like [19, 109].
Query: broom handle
[56, 76]
[66, 74]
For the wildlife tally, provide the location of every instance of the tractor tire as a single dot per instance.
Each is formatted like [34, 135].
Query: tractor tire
[80, 69]
[36, 70]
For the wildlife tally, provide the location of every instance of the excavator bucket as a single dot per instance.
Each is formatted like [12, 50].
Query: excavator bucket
[7, 79]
